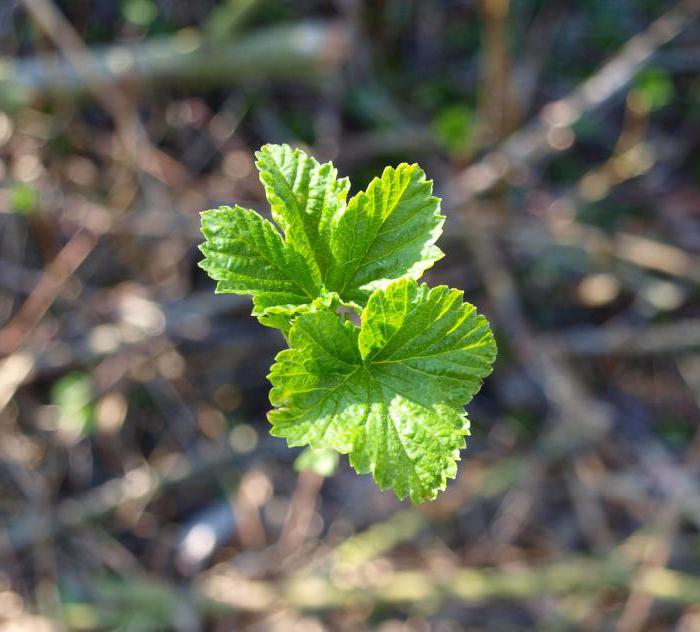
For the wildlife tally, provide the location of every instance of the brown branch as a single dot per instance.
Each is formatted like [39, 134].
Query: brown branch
[531, 142]
[130, 131]
[52, 281]
[306, 51]
[677, 337]
[224, 587]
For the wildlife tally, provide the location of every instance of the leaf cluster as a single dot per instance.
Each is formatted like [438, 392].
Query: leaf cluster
[389, 392]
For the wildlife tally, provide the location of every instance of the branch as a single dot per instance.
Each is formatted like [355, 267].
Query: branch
[531, 142]
[594, 342]
[302, 51]
[224, 587]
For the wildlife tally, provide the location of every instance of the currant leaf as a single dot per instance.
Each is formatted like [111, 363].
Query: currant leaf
[245, 254]
[384, 233]
[329, 254]
[304, 197]
[323, 462]
[389, 393]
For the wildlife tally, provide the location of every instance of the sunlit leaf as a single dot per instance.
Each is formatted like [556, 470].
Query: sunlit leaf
[389, 393]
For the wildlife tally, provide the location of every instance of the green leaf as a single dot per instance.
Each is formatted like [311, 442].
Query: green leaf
[24, 198]
[140, 12]
[72, 396]
[655, 87]
[245, 254]
[271, 314]
[323, 462]
[386, 232]
[453, 128]
[330, 255]
[389, 393]
[304, 196]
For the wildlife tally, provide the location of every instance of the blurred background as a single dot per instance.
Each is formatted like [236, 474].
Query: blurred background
[139, 488]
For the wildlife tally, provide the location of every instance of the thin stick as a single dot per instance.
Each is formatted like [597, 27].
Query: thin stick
[681, 336]
[52, 281]
[531, 141]
[301, 508]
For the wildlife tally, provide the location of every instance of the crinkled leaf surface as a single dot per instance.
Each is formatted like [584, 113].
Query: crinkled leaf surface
[389, 393]
[386, 232]
[245, 254]
[329, 252]
[304, 197]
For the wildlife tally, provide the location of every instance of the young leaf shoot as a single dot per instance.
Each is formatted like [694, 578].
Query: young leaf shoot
[389, 392]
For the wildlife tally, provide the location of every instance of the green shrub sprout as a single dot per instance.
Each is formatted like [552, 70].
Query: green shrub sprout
[387, 388]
